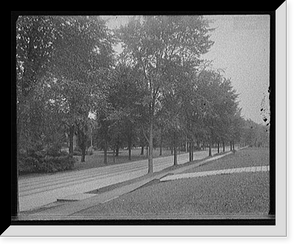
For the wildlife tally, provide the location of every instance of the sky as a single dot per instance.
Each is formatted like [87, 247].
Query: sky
[241, 49]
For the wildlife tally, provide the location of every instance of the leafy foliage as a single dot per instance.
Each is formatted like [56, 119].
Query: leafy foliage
[39, 162]
[156, 45]
[158, 88]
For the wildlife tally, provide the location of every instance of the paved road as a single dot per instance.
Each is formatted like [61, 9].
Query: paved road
[38, 191]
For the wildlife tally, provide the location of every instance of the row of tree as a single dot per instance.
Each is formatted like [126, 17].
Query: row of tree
[70, 81]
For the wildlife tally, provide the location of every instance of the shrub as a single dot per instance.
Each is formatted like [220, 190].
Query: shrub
[54, 150]
[41, 163]
[28, 164]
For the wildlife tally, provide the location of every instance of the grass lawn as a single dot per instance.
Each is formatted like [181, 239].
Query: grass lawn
[233, 194]
[247, 157]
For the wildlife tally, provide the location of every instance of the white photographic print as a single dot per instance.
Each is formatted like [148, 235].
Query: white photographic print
[151, 120]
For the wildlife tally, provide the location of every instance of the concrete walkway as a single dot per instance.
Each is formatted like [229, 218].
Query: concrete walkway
[215, 172]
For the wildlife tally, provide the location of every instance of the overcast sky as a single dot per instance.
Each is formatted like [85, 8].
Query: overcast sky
[241, 48]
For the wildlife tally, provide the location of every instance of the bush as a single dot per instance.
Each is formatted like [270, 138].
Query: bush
[42, 163]
[27, 164]
[54, 150]
[52, 164]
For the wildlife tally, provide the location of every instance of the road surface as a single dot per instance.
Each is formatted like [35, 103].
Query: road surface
[35, 192]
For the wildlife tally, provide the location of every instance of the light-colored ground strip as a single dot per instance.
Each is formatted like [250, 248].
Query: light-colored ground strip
[215, 172]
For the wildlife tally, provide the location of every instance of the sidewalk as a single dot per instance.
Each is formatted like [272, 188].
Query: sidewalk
[215, 172]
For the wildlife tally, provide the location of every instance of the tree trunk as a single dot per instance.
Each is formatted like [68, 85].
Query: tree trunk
[83, 154]
[186, 145]
[210, 141]
[160, 145]
[150, 155]
[142, 150]
[91, 139]
[129, 148]
[191, 151]
[175, 149]
[117, 149]
[105, 151]
[192, 154]
[71, 136]
[175, 156]
[223, 146]
[81, 142]
[114, 155]
[218, 147]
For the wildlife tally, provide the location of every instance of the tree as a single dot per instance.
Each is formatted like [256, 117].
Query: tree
[255, 135]
[178, 103]
[170, 115]
[34, 45]
[151, 42]
[103, 131]
[44, 129]
[35, 36]
[83, 51]
[219, 103]
[125, 96]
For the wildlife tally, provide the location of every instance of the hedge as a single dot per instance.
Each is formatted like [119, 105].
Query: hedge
[39, 163]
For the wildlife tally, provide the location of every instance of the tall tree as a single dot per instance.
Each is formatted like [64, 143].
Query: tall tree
[220, 105]
[125, 96]
[153, 41]
[35, 36]
[83, 51]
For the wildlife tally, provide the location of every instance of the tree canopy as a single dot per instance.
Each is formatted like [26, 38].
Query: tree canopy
[158, 87]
